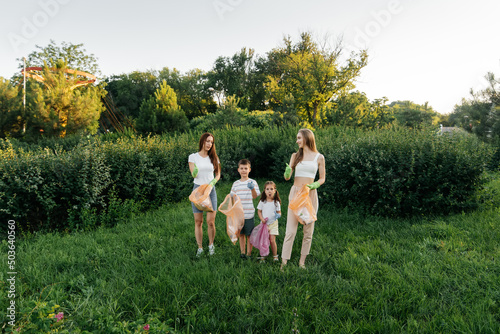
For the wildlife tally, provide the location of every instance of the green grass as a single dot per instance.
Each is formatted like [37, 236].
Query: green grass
[364, 275]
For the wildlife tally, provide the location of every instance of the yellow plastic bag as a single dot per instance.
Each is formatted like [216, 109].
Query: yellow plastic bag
[233, 209]
[302, 208]
[201, 198]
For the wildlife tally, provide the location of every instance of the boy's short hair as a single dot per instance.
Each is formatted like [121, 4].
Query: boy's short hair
[244, 162]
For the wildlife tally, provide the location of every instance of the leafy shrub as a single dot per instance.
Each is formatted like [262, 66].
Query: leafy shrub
[267, 149]
[403, 172]
[38, 189]
[151, 171]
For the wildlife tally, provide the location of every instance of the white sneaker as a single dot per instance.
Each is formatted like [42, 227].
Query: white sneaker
[211, 249]
[199, 252]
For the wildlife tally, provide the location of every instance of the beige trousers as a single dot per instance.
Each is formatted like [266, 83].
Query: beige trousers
[292, 224]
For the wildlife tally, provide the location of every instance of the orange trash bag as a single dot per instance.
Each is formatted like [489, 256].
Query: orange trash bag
[201, 198]
[302, 208]
[233, 209]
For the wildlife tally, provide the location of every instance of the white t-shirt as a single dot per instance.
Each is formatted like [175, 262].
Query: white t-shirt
[205, 168]
[269, 210]
[241, 189]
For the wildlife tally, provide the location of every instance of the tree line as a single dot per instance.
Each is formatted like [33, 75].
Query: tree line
[303, 81]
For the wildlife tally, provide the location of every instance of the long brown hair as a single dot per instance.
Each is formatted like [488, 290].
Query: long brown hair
[310, 142]
[212, 153]
[263, 196]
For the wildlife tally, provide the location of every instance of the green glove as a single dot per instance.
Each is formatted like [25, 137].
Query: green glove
[195, 171]
[213, 182]
[314, 185]
[288, 171]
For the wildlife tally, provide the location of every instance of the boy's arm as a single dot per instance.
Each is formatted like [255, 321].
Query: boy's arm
[255, 191]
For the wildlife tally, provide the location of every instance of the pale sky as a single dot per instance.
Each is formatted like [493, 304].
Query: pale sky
[423, 51]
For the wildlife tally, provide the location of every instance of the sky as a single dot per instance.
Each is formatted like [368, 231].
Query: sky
[431, 51]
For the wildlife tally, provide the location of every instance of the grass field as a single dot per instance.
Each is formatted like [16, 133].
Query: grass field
[364, 275]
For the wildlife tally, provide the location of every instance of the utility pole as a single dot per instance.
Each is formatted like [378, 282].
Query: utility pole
[24, 92]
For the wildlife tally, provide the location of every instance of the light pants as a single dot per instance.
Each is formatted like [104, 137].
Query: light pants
[292, 224]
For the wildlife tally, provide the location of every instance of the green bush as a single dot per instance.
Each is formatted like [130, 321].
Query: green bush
[151, 171]
[38, 189]
[56, 190]
[267, 149]
[402, 172]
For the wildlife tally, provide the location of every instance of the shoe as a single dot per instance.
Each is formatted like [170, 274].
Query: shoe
[211, 249]
[275, 258]
[243, 256]
[199, 252]
[282, 267]
[261, 259]
[302, 266]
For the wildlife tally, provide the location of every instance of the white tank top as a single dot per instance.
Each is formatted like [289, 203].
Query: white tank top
[307, 168]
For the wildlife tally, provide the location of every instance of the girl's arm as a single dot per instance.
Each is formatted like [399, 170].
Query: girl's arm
[291, 160]
[259, 212]
[191, 167]
[322, 169]
[217, 176]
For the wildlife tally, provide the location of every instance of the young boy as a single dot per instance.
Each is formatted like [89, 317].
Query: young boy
[247, 190]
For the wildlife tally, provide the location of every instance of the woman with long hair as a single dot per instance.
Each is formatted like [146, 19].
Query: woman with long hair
[204, 166]
[306, 162]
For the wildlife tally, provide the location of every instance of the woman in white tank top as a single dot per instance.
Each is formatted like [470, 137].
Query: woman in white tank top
[306, 162]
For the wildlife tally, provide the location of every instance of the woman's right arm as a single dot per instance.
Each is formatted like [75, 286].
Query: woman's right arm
[290, 164]
[191, 167]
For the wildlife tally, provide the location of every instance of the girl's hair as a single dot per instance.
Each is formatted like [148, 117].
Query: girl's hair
[263, 196]
[309, 141]
[212, 153]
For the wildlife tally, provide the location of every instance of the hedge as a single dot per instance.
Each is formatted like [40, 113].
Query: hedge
[402, 172]
[396, 172]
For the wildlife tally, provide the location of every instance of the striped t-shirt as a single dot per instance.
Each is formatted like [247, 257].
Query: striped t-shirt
[241, 189]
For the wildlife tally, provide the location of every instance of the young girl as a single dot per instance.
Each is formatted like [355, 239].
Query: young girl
[269, 210]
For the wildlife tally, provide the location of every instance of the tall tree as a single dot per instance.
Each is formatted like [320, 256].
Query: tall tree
[312, 73]
[74, 55]
[10, 109]
[230, 77]
[413, 115]
[480, 113]
[61, 101]
[128, 91]
[355, 110]
[60, 107]
[161, 113]
[191, 89]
